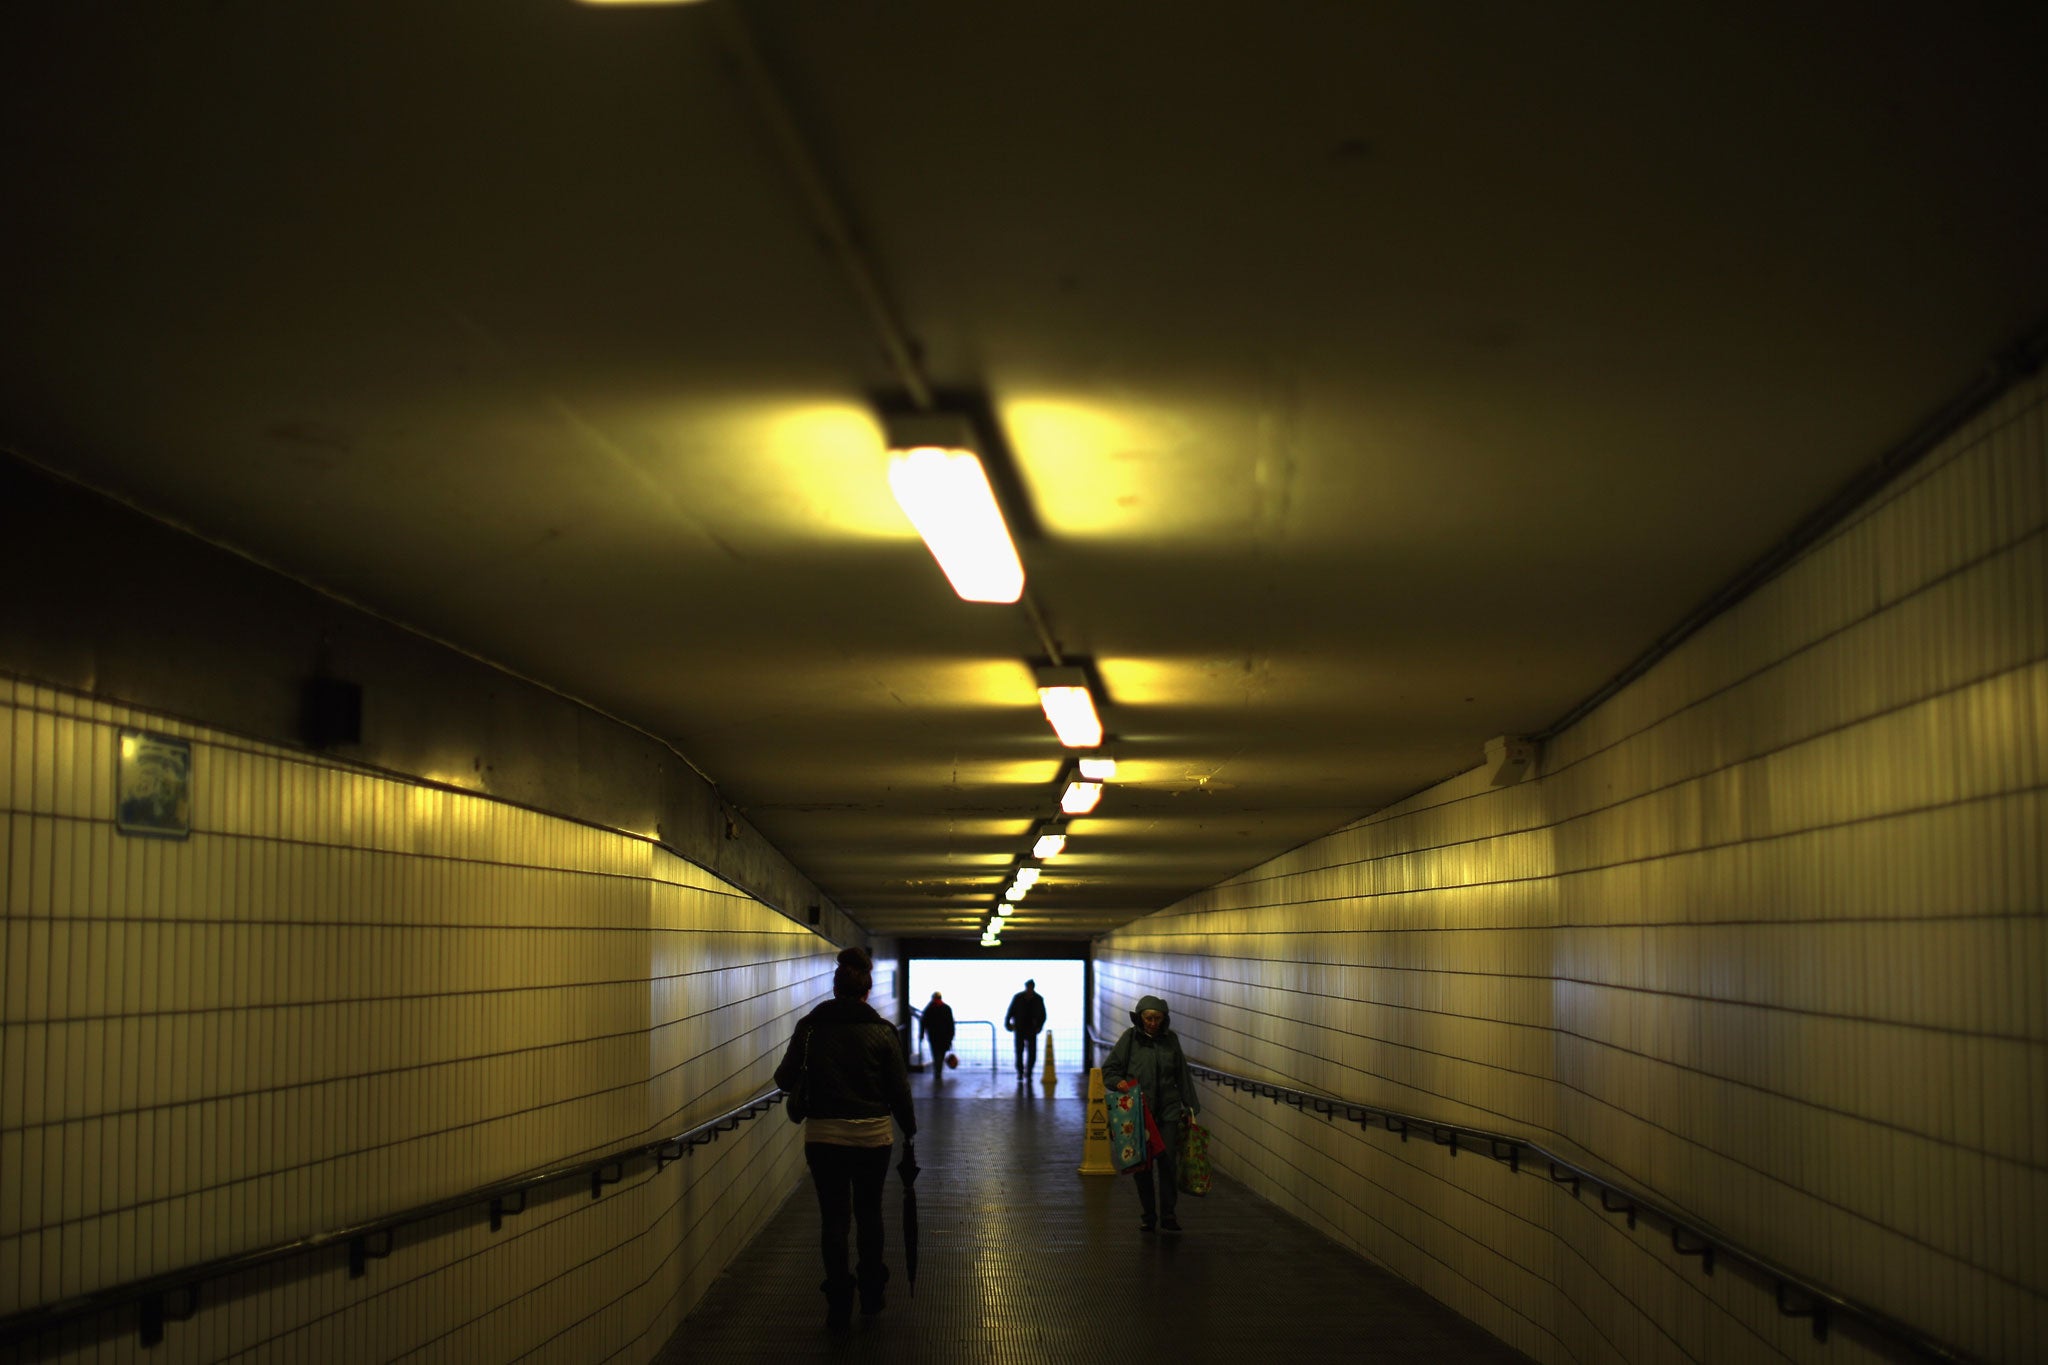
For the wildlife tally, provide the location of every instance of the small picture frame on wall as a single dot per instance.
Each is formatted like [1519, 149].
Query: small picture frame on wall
[153, 786]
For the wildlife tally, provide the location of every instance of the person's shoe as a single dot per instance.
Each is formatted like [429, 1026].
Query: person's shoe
[872, 1299]
[1147, 1225]
[838, 1305]
[1169, 1224]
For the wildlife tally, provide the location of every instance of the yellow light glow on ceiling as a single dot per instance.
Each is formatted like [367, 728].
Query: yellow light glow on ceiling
[763, 469]
[1019, 772]
[981, 832]
[947, 497]
[1131, 471]
[931, 683]
[1151, 681]
[1081, 797]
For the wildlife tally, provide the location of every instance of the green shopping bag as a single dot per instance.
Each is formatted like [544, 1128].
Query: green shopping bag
[1192, 1161]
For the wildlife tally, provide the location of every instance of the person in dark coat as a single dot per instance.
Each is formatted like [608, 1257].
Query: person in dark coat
[1025, 1019]
[847, 1061]
[935, 1024]
[1150, 1056]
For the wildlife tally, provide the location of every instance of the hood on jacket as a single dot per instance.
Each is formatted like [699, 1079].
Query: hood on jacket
[1152, 1002]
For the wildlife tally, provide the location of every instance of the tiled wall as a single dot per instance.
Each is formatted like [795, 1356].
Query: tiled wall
[345, 994]
[1768, 938]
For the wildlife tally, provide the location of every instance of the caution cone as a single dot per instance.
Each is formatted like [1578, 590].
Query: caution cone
[1095, 1147]
[1050, 1076]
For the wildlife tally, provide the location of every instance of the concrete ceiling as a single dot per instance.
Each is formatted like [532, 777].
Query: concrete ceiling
[1374, 379]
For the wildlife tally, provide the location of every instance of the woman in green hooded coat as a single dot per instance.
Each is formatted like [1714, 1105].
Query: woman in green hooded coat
[1149, 1054]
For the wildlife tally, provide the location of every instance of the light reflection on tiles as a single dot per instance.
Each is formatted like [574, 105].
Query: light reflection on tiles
[1769, 938]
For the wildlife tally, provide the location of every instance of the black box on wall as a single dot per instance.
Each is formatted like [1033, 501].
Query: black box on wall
[330, 712]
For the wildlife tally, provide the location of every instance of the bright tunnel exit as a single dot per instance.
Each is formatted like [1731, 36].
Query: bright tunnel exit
[980, 989]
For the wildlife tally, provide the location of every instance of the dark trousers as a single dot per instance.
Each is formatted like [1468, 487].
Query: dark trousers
[1027, 1052]
[1164, 1203]
[849, 1182]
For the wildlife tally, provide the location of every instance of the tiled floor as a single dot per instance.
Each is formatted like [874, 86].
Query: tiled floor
[1022, 1259]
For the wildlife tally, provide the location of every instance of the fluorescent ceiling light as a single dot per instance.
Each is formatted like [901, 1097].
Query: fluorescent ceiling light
[1013, 892]
[1003, 910]
[1080, 797]
[1052, 837]
[1098, 767]
[946, 495]
[1027, 874]
[1070, 706]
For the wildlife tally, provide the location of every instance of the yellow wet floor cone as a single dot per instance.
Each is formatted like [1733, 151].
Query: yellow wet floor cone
[1050, 1077]
[1095, 1147]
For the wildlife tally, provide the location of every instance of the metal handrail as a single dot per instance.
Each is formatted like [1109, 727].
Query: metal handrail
[1797, 1296]
[994, 1060]
[367, 1241]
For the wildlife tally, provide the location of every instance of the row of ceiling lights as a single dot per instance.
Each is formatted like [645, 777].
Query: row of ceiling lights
[937, 477]
[939, 482]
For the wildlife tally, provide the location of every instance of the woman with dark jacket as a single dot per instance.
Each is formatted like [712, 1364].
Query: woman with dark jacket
[847, 1063]
[1149, 1054]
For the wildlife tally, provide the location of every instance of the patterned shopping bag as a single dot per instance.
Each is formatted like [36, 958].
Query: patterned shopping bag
[1193, 1158]
[1133, 1137]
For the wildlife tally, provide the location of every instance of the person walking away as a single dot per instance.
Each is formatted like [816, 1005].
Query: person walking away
[935, 1024]
[847, 1063]
[1150, 1055]
[1025, 1019]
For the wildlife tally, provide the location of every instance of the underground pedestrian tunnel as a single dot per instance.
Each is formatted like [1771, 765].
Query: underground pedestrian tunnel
[1501, 566]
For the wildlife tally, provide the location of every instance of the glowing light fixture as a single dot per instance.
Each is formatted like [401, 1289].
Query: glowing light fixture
[1080, 797]
[1052, 838]
[1070, 706]
[1012, 893]
[1098, 767]
[1003, 910]
[940, 485]
[1027, 874]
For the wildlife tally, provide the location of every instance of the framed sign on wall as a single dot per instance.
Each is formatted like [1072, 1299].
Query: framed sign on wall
[153, 786]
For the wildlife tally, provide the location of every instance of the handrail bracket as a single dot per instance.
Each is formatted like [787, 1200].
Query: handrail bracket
[1701, 1247]
[1812, 1308]
[500, 1209]
[155, 1315]
[361, 1252]
[1627, 1205]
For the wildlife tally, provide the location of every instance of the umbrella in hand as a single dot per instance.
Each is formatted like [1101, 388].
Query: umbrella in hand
[908, 1169]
